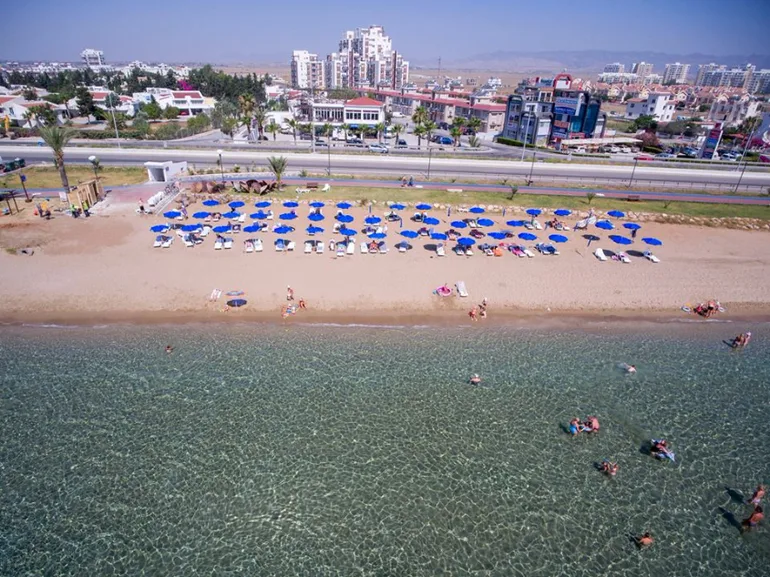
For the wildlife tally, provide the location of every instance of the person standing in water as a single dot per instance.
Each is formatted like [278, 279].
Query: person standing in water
[753, 520]
[759, 493]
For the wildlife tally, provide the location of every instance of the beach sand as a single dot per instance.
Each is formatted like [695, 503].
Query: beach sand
[105, 269]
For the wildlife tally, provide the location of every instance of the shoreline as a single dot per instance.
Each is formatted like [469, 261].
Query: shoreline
[530, 318]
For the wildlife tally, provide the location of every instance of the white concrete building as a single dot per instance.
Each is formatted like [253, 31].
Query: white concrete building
[657, 104]
[615, 68]
[93, 58]
[642, 69]
[676, 73]
[15, 108]
[358, 112]
[307, 71]
[733, 110]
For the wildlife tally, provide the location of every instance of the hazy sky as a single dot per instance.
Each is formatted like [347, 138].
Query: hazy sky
[221, 31]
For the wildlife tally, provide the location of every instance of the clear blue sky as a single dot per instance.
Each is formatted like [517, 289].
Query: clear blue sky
[222, 31]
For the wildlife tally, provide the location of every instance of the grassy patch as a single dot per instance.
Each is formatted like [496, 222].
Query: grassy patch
[48, 176]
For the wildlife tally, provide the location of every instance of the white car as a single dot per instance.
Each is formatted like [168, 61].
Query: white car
[381, 148]
[614, 150]
[625, 150]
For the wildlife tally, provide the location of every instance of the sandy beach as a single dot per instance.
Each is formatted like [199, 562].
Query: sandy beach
[104, 268]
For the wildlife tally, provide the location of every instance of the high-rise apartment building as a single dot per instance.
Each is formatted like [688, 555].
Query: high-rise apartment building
[307, 71]
[365, 59]
[704, 69]
[93, 58]
[676, 73]
[641, 69]
[615, 67]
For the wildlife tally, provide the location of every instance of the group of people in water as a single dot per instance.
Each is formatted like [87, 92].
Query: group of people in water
[741, 340]
[757, 513]
[590, 425]
[479, 311]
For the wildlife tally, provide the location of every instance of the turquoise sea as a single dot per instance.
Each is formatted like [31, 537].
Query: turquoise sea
[333, 451]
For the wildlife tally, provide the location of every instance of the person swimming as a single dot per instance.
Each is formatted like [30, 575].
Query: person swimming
[475, 379]
[169, 349]
[609, 468]
[630, 369]
[660, 449]
[645, 540]
[575, 427]
[759, 493]
[753, 520]
[591, 424]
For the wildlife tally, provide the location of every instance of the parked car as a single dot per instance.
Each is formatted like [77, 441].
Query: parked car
[664, 155]
[381, 148]
[614, 150]
[401, 143]
[643, 157]
[321, 142]
[625, 150]
[444, 140]
[355, 141]
[306, 136]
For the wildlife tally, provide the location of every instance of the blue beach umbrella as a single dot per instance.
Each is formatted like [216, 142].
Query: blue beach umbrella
[291, 204]
[344, 205]
[372, 220]
[631, 226]
[237, 303]
[409, 233]
[423, 206]
[515, 223]
[344, 218]
[438, 236]
[477, 210]
[430, 221]
[317, 204]
[314, 229]
[485, 222]
[558, 238]
[223, 228]
[562, 212]
[288, 216]
[652, 241]
[527, 236]
[172, 214]
[377, 235]
[259, 215]
[283, 229]
[397, 206]
[231, 215]
[201, 214]
[159, 228]
[497, 235]
[236, 204]
[262, 204]
[252, 228]
[210, 202]
[191, 227]
[619, 239]
[459, 224]
[605, 225]
[315, 217]
[616, 214]
[347, 232]
[534, 211]
[465, 241]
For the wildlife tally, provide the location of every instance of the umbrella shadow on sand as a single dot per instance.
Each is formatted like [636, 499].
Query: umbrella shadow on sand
[636, 253]
[430, 247]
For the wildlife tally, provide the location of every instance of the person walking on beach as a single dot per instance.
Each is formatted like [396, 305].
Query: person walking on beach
[141, 207]
[302, 304]
[473, 314]
[759, 493]
[289, 294]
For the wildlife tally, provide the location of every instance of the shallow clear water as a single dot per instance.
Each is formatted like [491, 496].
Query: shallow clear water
[304, 450]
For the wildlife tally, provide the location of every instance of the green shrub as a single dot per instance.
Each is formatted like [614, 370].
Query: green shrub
[652, 149]
[509, 141]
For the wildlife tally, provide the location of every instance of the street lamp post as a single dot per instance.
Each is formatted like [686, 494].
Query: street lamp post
[95, 164]
[221, 166]
[114, 122]
[633, 170]
[526, 133]
[23, 179]
[329, 153]
[532, 168]
[745, 161]
[430, 156]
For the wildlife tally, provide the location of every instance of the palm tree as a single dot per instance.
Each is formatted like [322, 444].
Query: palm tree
[380, 128]
[272, 128]
[293, 124]
[259, 118]
[474, 123]
[420, 115]
[456, 134]
[57, 137]
[29, 116]
[328, 130]
[277, 165]
[397, 129]
[246, 105]
[458, 122]
[429, 127]
[419, 132]
[345, 128]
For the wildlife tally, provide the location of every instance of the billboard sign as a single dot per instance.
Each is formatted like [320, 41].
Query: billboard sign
[711, 143]
[561, 124]
[563, 105]
[559, 133]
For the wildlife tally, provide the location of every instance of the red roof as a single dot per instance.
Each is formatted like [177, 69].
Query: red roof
[99, 95]
[186, 93]
[363, 101]
[4, 99]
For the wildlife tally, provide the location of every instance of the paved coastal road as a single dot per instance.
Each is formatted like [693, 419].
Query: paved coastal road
[369, 164]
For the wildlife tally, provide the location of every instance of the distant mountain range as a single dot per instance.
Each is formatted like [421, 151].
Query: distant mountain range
[590, 61]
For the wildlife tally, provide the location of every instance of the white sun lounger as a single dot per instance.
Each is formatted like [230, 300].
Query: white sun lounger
[351, 247]
[258, 247]
[651, 257]
[308, 246]
[624, 258]
[270, 215]
[228, 243]
[528, 252]
[537, 225]
[187, 241]
[319, 247]
[205, 232]
[242, 218]
[599, 253]
[291, 246]
[218, 244]
[461, 290]
[340, 249]
[279, 245]
[158, 241]
[440, 251]
[472, 223]
[248, 245]
[401, 247]
[383, 247]
[468, 251]
[364, 248]
[167, 242]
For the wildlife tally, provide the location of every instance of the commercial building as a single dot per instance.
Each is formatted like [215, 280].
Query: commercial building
[641, 69]
[575, 113]
[93, 58]
[657, 104]
[615, 67]
[527, 121]
[365, 59]
[356, 113]
[676, 73]
[618, 77]
[733, 110]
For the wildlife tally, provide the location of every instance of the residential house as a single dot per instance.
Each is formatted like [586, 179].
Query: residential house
[657, 104]
[15, 108]
[733, 110]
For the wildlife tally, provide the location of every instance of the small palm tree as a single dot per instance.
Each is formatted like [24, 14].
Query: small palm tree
[474, 123]
[277, 165]
[419, 132]
[429, 127]
[246, 105]
[29, 116]
[57, 137]
[345, 128]
[328, 130]
[380, 128]
[259, 118]
[397, 129]
[293, 124]
[458, 122]
[456, 134]
[420, 115]
[272, 128]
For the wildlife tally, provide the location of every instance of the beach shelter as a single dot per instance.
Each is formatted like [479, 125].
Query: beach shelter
[485, 222]
[316, 217]
[288, 216]
[652, 241]
[397, 206]
[317, 204]
[344, 218]
[231, 215]
[377, 235]
[314, 229]
[236, 303]
[620, 239]
[465, 241]
[210, 202]
[191, 227]
[347, 232]
[172, 214]
[291, 204]
[515, 223]
[616, 214]
[344, 205]
[423, 206]
[477, 210]
[605, 225]
[201, 214]
[159, 228]
[259, 215]
[223, 228]
[283, 229]
[527, 236]
[497, 235]
[459, 224]
[558, 238]
[409, 233]
[430, 221]
[438, 236]
[252, 228]
[372, 220]
[562, 212]
[631, 226]
[534, 211]
[236, 204]
[262, 204]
